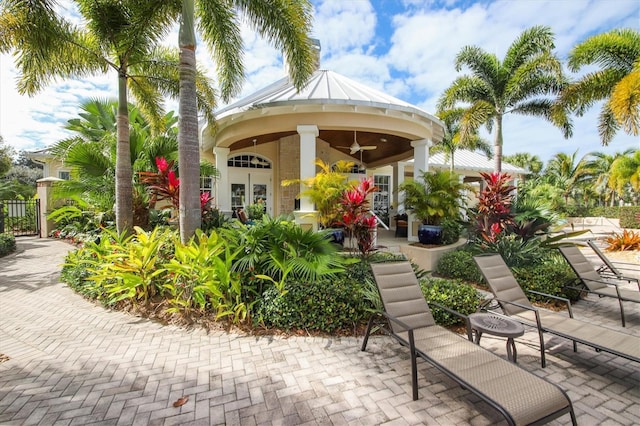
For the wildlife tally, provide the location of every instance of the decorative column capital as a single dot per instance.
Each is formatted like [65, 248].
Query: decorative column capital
[308, 128]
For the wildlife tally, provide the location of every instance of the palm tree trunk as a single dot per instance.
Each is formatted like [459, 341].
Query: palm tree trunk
[497, 145]
[124, 172]
[452, 166]
[188, 148]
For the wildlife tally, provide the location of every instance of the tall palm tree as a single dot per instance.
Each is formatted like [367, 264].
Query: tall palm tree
[116, 35]
[568, 174]
[517, 85]
[600, 167]
[625, 170]
[453, 140]
[617, 82]
[283, 22]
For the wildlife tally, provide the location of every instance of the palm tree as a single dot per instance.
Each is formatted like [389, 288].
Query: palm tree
[454, 141]
[114, 35]
[617, 53]
[91, 151]
[567, 174]
[600, 167]
[515, 85]
[285, 23]
[625, 170]
[527, 161]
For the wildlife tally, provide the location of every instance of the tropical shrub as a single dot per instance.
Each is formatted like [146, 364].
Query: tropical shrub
[325, 189]
[256, 210]
[280, 249]
[201, 278]
[7, 244]
[493, 215]
[453, 294]
[451, 230]
[435, 197]
[324, 305]
[356, 217]
[131, 268]
[627, 240]
[459, 264]
[546, 277]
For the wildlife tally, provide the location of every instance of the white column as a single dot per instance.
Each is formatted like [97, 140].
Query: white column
[398, 178]
[223, 198]
[420, 165]
[420, 157]
[308, 134]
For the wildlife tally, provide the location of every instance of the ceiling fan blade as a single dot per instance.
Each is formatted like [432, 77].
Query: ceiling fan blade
[368, 147]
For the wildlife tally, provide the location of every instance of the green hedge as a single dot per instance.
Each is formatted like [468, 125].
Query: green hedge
[459, 264]
[325, 306]
[628, 217]
[7, 244]
[548, 277]
[453, 294]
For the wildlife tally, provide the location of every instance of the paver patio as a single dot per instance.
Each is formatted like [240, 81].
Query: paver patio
[76, 363]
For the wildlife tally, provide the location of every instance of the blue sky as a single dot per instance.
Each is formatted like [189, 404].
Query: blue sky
[405, 48]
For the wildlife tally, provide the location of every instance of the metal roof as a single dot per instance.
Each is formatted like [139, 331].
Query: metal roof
[323, 87]
[469, 160]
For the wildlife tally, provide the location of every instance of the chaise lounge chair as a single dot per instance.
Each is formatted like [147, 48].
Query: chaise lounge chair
[609, 268]
[521, 397]
[592, 282]
[515, 304]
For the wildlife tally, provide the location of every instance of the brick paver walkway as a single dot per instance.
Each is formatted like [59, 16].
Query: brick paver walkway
[76, 363]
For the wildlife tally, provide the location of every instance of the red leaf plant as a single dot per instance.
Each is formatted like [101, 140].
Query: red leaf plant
[494, 206]
[163, 185]
[356, 217]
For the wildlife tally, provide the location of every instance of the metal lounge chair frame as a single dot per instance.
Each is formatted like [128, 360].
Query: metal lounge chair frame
[521, 397]
[591, 281]
[609, 268]
[514, 303]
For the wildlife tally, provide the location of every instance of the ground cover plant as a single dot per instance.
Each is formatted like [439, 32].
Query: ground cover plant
[7, 244]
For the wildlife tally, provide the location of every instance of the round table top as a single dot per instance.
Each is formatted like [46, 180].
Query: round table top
[496, 325]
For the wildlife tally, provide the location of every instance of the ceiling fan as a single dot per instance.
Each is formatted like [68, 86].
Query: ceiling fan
[356, 147]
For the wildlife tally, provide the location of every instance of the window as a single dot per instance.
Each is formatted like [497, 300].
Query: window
[64, 175]
[381, 197]
[249, 162]
[206, 185]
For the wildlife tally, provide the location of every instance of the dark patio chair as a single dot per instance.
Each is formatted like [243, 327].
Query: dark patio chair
[521, 397]
[516, 305]
[592, 282]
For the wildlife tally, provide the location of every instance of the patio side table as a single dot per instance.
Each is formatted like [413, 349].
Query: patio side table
[497, 326]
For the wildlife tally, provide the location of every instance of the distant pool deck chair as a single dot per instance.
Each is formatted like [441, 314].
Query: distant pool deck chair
[516, 305]
[604, 286]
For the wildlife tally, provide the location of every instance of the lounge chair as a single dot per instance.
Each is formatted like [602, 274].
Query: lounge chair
[515, 304]
[521, 397]
[609, 268]
[592, 282]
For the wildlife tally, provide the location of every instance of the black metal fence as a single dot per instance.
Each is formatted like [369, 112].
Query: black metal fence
[20, 217]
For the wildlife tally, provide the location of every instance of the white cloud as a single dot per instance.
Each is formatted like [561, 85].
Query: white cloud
[406, 48]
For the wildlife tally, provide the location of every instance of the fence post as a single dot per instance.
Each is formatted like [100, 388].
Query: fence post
[1, 217]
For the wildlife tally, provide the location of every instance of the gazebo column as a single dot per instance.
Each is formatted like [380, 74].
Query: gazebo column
[420, 165]
[398, 200]
[223, 198]
[308, 134]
